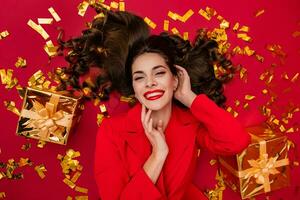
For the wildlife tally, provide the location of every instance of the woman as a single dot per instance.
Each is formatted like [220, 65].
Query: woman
[150, 151]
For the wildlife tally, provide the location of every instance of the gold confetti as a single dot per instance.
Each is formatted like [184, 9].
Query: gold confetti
[237, 102]
[75, 177]
[212, 162]
[24, 161]
[50, 49]
[20, 63]
[38, 28]
[185, 35]
[81, 189]
[276, 49]
[150, 23]
[103, 108]
[54, 14]
[2, 194]
[7, 78]
[248, 51]
[246, 106]
[82, 8]
[4, 34]
[244, 37]
[175, 31]
[121, 6]
[259, 58]
[244, 29]
[45, 20]
[69, 183]
[264, 91]
[81, 197]
[236, 26]
[40, 169]
[243, 74]
[114, 4]
[100, 118]
[249, 97]
[11, 106]
[26, 146]
[204, 14]
[69, 198]
[295, 78]
[296, 34]
[41, 144]
[166, 25]
[259, 12]
[187, 15]
[224, 24]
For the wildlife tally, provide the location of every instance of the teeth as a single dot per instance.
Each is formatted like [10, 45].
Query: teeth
[153, 94]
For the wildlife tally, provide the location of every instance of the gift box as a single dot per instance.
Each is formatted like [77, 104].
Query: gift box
[49, 116]
[262, 167]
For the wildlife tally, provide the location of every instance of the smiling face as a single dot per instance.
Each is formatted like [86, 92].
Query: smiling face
[153, 82]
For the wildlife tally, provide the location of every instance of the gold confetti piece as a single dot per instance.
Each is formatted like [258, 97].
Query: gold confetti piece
[41, 144]
[26, 146]
[75, 177]
[295, 77]
[276, 49]
[185, 35]
[11, 106]
[236, 26]
[248, 51]
[69, 183]
[237, 102]
[296, 34]
[296, 163]
[166, 25]
[246, 106]
[187, 15]
[100, 15]
[204, 14]
[175, 31]
[82, 8]
[38, 28]
[81, 189]
[50, 49]
[282, 128]
[259, 58]
[237, 50]
[45, 20]
[264, 91]
[173, 16]
[244, 37]
[40, 169]
[269, 80]
[79, 167]
[7, 78]
[285, 76]
[103, 108]
[243, 74]
[24, 161]
[4, 34]
[244, 29]
[224, 24]
[114, 4]
[150, 23]
[20, 63]
[259, 12]
[121, 6]
[212, 162]
[69, 198]
[81, 198]
[100, 118]
[276, 121]
[54, 14]
[2, 194]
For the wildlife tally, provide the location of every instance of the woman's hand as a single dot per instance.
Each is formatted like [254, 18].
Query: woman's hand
[184, 93]
[155, 135]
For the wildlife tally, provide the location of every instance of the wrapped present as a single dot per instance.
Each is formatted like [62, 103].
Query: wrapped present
[262, 167]
[49, 116]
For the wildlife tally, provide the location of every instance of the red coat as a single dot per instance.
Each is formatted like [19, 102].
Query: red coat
[122, 148]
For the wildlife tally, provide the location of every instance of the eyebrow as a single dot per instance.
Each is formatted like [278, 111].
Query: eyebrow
[154, 68]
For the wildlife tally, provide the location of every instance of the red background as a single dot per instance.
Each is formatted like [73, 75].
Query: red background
[275, 26]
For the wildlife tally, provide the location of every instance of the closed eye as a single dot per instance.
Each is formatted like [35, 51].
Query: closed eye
[160, 73]
[138, 78]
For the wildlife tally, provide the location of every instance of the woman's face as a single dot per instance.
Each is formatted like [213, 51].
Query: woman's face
[152, 81]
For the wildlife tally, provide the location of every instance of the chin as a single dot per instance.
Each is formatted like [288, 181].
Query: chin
[157, 104]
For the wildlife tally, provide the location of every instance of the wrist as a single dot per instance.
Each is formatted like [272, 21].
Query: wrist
[188, 98]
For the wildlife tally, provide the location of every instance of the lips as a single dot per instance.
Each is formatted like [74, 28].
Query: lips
[153, 94]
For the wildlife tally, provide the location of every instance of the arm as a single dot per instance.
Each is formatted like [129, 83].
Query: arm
[112, 178]
[221, 132]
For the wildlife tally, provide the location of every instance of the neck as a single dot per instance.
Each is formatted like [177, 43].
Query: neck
[163, 114]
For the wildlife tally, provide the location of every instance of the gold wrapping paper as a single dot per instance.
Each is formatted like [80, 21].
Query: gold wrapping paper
[48, 116]
[262, 167]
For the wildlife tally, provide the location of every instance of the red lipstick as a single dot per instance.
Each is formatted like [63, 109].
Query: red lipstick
[153, 94]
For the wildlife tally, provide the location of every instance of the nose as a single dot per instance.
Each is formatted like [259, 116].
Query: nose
[151, 82]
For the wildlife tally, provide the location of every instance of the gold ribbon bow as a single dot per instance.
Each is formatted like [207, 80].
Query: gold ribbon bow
[46, 118]
[260, 168]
